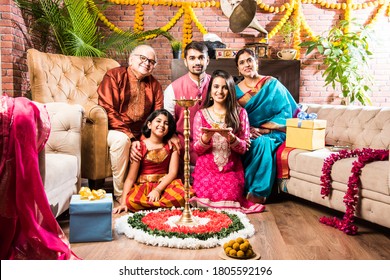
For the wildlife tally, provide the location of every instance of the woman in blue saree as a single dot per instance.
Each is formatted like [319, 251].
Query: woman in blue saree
[268, 104]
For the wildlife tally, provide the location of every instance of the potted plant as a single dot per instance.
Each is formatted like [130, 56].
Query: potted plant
[346, 53]
[176, 48]
[287, 32]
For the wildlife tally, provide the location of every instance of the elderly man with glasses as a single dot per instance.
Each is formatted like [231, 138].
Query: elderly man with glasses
[129, 95]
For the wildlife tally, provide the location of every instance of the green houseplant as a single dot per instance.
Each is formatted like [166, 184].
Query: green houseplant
[73, 24]
[346, 52]
[287, 31]
[176, 48]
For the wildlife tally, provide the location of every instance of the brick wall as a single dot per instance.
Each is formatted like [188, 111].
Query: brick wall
[16, 40]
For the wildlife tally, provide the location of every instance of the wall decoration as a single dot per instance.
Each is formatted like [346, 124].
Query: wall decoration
[292, 8]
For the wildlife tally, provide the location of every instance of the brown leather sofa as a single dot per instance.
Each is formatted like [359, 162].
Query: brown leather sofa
[74, 80]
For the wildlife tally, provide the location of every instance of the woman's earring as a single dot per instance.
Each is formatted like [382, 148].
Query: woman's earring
[211, 98]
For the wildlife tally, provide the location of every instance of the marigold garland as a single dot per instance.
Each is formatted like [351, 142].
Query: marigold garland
[364, 156]
[293, 7]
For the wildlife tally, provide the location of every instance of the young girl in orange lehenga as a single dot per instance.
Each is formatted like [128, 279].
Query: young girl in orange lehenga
[151, 183]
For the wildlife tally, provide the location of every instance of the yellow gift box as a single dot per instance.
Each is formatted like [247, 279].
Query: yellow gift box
[305, 134]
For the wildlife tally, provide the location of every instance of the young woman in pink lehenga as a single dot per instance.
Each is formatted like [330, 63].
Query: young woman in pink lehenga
[221, 133]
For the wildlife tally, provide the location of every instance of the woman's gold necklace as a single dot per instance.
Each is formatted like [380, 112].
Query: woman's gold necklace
[220, 116]
[252, 88]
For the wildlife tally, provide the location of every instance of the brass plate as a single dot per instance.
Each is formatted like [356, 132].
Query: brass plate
[222, 255]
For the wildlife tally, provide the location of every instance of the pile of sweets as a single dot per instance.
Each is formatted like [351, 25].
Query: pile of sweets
[238, 248]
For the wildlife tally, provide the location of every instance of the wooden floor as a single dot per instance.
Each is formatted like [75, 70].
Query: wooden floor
[287, 230]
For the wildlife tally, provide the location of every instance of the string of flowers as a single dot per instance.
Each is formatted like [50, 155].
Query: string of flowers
[197, 23]
[364, 156]
[287, 8]
[297, 33]
[388, 10]
[283, 20]
[381, 10]
[347, 14]
[187, 27]
[139, 18]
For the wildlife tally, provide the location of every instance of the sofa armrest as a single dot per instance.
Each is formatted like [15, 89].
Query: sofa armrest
[94, 151]
[66, 124]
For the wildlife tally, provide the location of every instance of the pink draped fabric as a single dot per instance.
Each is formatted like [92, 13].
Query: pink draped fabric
[28, 228]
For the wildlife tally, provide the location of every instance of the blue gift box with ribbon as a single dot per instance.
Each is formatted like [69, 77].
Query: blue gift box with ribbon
[90, 220]
[305, 132]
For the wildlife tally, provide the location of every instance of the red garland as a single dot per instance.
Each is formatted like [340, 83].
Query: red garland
[364, 156]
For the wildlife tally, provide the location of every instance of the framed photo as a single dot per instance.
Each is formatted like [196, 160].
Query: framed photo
[260, 49]
[225, 53]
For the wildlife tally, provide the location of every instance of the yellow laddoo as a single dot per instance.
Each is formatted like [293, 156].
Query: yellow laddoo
[240, 254]
[244, 247]
[236, 246]
[233, 253]
[227, 250]
[249, 253]
[240, 240]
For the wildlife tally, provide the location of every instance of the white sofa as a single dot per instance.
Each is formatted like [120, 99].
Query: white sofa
[353, 126]
[60, 160]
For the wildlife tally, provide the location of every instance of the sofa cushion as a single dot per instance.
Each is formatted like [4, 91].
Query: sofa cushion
[63, 169]
[308, 165]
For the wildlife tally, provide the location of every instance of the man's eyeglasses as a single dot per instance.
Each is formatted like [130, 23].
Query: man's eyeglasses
[145, 59]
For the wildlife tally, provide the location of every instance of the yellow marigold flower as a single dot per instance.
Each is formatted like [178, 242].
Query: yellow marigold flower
[336, 44]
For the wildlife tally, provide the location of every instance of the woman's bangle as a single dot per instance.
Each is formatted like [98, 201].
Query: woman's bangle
[201, 140]
[233, 139]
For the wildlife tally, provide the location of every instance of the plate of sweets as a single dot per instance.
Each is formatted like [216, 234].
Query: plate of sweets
[238, 248]
[216, 128]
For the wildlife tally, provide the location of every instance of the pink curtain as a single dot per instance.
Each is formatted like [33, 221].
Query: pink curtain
[28, 229]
